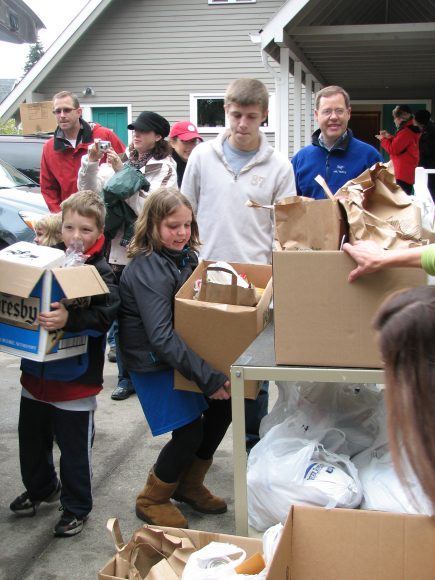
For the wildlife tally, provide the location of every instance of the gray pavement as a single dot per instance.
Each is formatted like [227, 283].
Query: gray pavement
[124, 451]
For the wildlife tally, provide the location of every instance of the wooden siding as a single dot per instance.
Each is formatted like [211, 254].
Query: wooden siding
[154, 53]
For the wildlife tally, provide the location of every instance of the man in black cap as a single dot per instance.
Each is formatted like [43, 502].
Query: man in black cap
[427, 145]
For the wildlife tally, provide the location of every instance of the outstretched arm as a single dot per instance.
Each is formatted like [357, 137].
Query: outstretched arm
[370, 257]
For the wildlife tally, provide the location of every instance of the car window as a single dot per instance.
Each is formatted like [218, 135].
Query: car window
[11, 177]
[26, 157]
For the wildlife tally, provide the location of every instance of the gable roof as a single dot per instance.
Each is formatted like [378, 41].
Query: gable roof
[89, 13]
[18, 23]
[376, 49]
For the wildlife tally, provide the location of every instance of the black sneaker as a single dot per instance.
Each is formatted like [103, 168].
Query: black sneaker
[24, 506]
[69, 524]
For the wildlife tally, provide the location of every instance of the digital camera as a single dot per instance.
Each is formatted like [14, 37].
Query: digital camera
[104, 145]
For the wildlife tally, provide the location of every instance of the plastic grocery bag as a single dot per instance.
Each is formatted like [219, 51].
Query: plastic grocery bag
[218, 560]
[306, 408]
[283, 471]
[382, 488]
[423, 199]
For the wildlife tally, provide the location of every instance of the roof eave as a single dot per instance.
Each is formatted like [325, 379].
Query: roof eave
[84, 19]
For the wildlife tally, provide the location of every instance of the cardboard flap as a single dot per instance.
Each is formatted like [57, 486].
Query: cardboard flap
[81, 281]
[18, 279]
[357, 544]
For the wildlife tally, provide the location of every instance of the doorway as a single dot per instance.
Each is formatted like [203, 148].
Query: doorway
[114, 118]
[365, 125]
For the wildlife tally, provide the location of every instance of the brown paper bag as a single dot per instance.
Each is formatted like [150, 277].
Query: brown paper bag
[226, 293]
[303, 223]
[150, 554]
[379, 210]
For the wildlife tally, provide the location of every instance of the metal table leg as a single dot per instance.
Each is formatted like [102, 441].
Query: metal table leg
[239, 451]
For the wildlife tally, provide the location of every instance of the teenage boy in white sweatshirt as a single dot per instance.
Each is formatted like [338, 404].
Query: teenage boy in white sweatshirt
[223, 174]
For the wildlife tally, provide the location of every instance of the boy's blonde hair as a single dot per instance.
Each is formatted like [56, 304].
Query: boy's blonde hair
[51, 223]
[158, 205]
[86, 203]
[247, 92]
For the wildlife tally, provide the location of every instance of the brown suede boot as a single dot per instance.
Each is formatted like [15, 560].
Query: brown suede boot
[191, 489]
[153, 504]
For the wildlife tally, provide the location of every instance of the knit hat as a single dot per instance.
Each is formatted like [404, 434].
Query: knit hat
[422, 116]
[185, 130]
[149, 121]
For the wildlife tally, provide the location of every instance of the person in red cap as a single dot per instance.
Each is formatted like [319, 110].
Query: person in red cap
[183, 138]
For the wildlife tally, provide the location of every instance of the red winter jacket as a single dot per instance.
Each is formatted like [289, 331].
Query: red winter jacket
[403, 150]
[60, 162]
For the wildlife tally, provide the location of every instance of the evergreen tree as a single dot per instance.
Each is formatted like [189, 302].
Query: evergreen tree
[35, 52]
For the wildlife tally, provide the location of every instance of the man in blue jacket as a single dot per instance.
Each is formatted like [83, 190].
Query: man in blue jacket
[335, 153]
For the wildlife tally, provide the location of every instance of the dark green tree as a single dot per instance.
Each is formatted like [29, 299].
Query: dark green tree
[35, 52]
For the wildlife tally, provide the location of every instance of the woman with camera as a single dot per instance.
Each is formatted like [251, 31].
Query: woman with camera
[124, 192]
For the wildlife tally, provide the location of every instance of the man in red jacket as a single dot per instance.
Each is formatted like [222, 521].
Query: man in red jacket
[62, 153]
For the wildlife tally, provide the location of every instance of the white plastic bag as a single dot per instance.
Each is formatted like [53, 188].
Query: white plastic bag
[278, 468]
[221, 277]
[382, 488]
[214, 561]
[423, 199]
[354, 409]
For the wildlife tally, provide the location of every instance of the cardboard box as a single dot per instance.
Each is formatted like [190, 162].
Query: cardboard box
[37, 117]
[220, 333]
[30, 281]
[198, 538]
[341, 544]
[323, 320]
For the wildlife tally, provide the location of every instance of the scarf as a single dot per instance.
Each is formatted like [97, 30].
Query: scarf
[135, 159]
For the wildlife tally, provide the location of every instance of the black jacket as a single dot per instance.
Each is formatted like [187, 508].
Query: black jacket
[181, 166]
[427, 146]
[146, 329]
[93, 320]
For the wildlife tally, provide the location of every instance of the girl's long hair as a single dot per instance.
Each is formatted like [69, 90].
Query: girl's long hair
[158, 205]
[406, 326]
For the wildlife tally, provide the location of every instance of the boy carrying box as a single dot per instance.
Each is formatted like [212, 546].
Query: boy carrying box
[58, 398]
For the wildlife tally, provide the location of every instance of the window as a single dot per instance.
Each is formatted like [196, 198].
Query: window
[207, 112]
[231, 1]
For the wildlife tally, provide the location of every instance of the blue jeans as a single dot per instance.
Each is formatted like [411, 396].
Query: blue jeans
[255, 410]
[123, 376]
[111, 334]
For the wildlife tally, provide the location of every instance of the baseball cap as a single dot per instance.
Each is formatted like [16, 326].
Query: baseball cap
[185, 130]
[150, 121]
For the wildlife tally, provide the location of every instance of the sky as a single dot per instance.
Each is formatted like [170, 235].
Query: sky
[56, 15]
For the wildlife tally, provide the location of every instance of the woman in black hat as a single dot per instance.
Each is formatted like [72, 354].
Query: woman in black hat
[150, 150]
[150, 153]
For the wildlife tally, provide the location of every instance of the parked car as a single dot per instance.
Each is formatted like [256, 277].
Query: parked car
[21, 203]
[24, 152]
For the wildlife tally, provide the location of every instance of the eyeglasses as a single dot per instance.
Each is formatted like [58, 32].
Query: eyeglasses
[65, 110]
[329, 112]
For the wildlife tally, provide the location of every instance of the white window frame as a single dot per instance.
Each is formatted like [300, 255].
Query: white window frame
[194, 97]
[217, 2]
